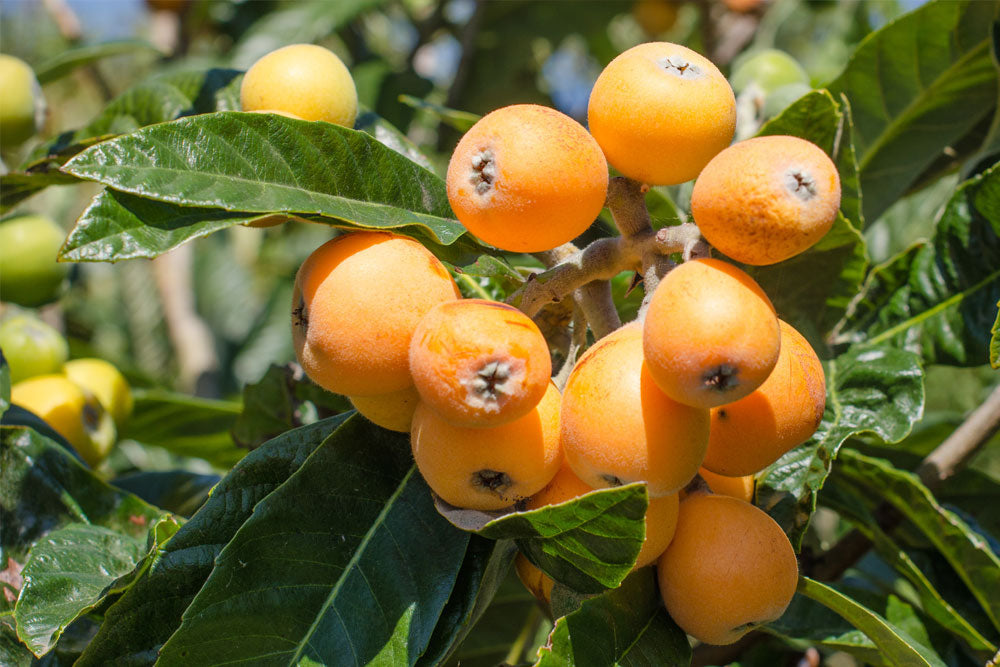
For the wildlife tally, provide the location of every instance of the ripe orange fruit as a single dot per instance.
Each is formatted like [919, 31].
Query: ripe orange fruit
[393, 411]
[738, 487]
[358, 299]
[766, 199]
[488, 468]
[711, 336]
[728, 569]
[527, 178]
[752, 433]
[660, 112]
[619, 427]
[479, 363]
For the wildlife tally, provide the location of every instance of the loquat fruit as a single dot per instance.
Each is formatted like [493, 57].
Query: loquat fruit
[527, 178]
[357, 300]
[711, 335]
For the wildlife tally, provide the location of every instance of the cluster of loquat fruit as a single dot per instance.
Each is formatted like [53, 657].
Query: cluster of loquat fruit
[707, 382]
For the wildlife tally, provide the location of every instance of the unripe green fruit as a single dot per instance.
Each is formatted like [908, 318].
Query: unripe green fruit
[22, 107]
[28, 248]
[31, 347]
[305, 80]
[777, 100]
[770, 69]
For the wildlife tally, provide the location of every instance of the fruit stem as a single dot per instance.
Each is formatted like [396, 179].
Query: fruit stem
[627, 201]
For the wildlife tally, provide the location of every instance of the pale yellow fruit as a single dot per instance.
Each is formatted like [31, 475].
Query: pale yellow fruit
[304, 80]
[105, 382]
[72, 412]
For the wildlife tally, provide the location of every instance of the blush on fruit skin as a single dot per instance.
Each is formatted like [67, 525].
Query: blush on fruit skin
[766, 199]
[527, 178]
[488, 468]
[729, 568]
[618, 427]
[711, 335]
[752, 433]
[358, 299]
[660, 112]
[479, 363]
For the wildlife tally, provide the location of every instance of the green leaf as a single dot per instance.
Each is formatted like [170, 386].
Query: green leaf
[847, 501]
[808, 623]
[995, 341]
[43, 487]
[589, 543]
[12, 652]
[968, 552]
[178, 491]
[623, 626]
[266, 163]
[895, 644]
[185, 425]
[15, 187]
[64, 63]
[155, 100]
[295, 23]
[938, 299]
[916, 86]
[480, 583]
[119, 226]
[387, 134]
[283, 399]
[68, 572]
[812, 290]
[368, 546]
[453, 118]
[147, 614]
[878, 391]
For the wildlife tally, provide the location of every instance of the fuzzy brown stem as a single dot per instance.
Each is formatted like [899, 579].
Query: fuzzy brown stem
[627, 201]
[598, 307]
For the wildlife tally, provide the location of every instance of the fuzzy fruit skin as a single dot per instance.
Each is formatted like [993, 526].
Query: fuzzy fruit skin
[459, 345]
[358, 298]
[754, 432]
[737, 487]
[618, 427]
[542, 184]
[72, 412]
[525, 450]
[393, 411]
[711, 335]
[28, 248]
[31, 347]
[656, 123]
[305, 80]
[766, 199]
[104, 381]
[661, 514]
[729, 568]
[22, 106]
